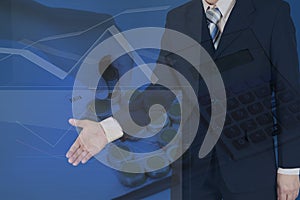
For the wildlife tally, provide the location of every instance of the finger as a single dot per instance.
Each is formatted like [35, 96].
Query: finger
[86, 158]
[281, 196]
[79, 158]
[73, 148]
[290, 196]
[295, 195]
[75, 155]
[77, 122]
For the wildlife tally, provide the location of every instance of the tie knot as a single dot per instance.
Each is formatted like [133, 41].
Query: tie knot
[214, 15]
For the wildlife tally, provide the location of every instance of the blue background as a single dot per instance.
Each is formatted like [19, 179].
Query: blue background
[33, 165]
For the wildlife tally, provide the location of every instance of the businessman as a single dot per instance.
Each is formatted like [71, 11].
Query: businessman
[248, 39]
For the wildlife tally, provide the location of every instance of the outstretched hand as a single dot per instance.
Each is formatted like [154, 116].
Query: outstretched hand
[287, 186]
[90, 141]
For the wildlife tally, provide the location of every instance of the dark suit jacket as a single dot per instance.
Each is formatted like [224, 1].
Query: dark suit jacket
[258, 41]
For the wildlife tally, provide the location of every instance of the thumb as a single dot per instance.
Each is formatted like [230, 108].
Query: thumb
[77, 122]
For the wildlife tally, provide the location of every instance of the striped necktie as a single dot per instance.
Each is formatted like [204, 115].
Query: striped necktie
[213, 16]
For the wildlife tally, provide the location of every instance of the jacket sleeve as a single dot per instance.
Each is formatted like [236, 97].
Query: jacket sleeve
[284, 58]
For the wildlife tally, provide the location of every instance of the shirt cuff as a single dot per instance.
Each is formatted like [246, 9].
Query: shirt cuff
[112, 129]
[293, 171]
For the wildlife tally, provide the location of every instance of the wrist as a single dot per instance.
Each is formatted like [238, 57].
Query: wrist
[290, 171]
[111, 128]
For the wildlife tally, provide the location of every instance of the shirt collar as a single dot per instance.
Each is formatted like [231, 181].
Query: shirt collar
[225, 6]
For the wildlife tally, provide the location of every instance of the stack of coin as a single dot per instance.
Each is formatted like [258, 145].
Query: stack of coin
[166, 135]
[136, 133]
[110, 73]
[159, 120]
[175, 113]
[117, 155]
[115, 96]
[172, 152]
[101, 108]
[132, 174]
[157, 166]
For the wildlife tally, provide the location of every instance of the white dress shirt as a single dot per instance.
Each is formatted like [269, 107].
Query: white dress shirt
[225, 7]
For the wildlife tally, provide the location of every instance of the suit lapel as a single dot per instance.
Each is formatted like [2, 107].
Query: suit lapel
[239, 19]
[197, 26]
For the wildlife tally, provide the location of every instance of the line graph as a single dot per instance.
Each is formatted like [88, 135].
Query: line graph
[45, 154]
[43, 139]
[44, 64]
[56, 70]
